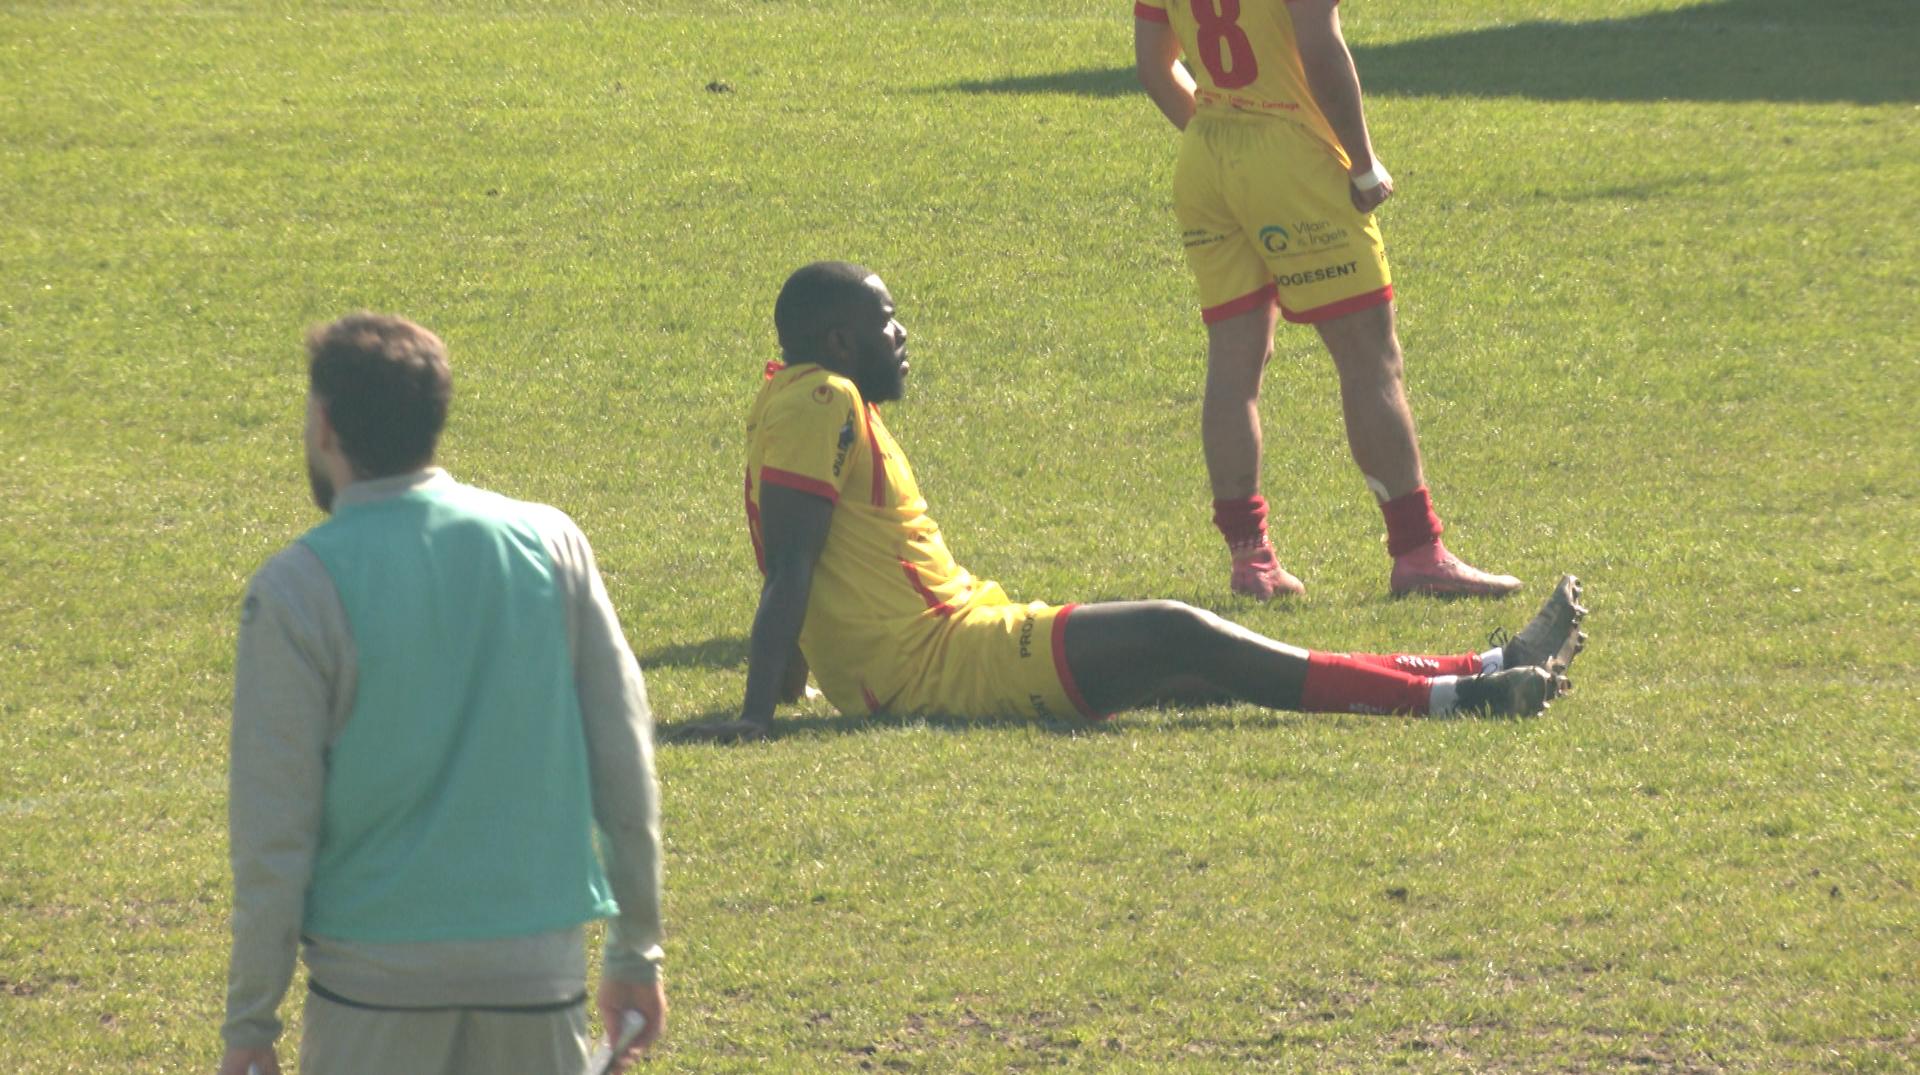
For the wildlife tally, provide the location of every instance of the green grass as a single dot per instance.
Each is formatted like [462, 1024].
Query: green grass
[1656, 261]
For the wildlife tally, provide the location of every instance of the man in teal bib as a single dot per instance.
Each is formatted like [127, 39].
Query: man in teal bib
[434, 710]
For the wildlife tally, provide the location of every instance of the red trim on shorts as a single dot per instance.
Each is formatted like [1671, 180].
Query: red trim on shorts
[944, 608]
[801, 482]
[1339, 309]
[1235, 307]
[1066, 674]
[879, 461]
[1151, 14]
[867, 696]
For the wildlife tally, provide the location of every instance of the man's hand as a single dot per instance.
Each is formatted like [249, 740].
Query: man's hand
[1368, 200]
[259, 1061]
[617, 998]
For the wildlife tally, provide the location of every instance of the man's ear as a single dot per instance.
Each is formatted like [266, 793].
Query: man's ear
[323, 432]
[836, 344]
[322, 424]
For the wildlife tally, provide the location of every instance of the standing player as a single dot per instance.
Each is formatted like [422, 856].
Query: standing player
[1274, 190]
[859, 583]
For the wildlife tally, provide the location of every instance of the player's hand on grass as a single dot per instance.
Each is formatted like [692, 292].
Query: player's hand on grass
[259, 1061]
[617, 998]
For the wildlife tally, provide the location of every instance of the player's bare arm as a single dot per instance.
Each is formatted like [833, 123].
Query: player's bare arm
[793, 529]
[1335, 83]
[1156, 60]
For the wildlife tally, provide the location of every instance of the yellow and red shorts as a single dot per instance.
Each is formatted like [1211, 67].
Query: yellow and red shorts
[996, 660]
[1265, 215]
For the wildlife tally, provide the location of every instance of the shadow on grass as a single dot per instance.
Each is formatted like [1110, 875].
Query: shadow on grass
[1185, 719]
[726, 652]
[1731, 50]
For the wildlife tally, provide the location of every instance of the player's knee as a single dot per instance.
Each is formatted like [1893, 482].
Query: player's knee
[1184, 626]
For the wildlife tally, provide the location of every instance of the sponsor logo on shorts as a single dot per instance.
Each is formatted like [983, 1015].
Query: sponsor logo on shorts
[1313, 276]
[1305, 237]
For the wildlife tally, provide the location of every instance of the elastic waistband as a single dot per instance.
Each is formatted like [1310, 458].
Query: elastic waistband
[324, 993]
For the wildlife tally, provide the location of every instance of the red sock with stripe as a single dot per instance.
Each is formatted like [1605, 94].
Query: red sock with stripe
[1344, 683]
[1416, 664]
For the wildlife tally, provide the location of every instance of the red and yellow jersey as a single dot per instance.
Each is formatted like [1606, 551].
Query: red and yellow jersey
[1243, 58]
[885, 585]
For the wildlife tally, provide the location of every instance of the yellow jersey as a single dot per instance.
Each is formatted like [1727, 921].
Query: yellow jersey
[885, 586]
[1243, 57]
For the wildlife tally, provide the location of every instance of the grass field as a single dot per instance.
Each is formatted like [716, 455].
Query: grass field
[1656, 262]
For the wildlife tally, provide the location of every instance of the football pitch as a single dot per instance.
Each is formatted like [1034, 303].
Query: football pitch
[1656, 263]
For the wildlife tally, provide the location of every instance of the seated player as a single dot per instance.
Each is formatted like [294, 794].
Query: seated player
[860, 588]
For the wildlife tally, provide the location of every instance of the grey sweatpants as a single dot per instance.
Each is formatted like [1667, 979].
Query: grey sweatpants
[343, 1040]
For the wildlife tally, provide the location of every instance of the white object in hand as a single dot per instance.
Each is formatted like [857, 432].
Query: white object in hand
[1372, 177]
[601, 1062]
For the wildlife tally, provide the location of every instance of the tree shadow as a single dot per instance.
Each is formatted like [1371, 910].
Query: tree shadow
[1859, 51]
[1734, 50]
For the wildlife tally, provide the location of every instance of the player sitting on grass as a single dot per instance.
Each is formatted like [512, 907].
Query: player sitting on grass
[859, 585]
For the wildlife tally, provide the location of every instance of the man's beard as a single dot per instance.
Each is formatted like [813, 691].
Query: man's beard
[322, 487]
[879, 378]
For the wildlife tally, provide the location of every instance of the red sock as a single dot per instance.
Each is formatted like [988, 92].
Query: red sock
[1411, 522]
[1242, 522]
[1415, 664]
[1342, 683]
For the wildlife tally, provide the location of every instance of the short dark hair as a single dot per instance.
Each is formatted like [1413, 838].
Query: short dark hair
[386, 386]
[813, 302]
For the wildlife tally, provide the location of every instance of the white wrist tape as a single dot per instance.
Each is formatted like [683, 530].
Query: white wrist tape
[1372, 177]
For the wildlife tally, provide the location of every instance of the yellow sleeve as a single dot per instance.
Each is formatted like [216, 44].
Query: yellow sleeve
[810, 432]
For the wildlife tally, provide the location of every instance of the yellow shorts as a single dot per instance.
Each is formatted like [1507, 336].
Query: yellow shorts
[1265, 214]
[996, 660]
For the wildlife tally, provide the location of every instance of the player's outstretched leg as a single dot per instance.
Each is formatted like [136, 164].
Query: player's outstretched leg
[1132, 653]
[1553, 637]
